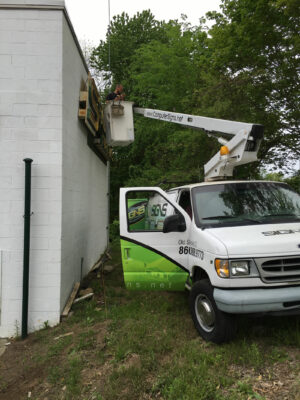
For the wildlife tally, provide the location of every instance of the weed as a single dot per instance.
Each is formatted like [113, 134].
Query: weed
[86, 341]
[54, 374]
[244, 353]
[59, 346]
[73, 375]
[46, 325]
[3, 384]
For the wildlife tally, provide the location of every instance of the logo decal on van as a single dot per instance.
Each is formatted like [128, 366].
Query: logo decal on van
[137, 212]
[281, 232]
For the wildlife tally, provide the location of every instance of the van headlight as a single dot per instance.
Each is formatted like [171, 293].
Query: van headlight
[239, 268]
[232, 268]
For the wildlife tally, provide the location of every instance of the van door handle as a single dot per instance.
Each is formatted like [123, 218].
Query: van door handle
[126, 253]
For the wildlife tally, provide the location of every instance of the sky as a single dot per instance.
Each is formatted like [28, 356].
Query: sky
[90, 17]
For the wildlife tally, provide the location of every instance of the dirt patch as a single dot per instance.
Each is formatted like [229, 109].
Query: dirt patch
[25, 365]
[132, 360]
[277, 381]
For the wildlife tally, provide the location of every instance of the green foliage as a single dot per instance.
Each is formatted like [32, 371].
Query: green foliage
[255, 61]
[124, 37]
[294, 181]
[245, 68]
[114, 230]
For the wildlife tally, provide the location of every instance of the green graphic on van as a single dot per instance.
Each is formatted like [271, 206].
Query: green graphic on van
[144, 269]
[137, 212]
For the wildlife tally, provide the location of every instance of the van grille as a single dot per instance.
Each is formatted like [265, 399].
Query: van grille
[274, 270]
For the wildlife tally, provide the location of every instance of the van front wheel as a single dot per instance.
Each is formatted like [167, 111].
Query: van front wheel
[211, 323]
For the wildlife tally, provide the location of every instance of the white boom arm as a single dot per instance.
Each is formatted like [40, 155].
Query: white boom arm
[243, 146]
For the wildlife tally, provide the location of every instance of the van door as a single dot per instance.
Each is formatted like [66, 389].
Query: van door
[153, 259]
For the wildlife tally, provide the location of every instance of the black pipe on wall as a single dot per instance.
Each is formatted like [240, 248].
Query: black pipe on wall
[27, 215]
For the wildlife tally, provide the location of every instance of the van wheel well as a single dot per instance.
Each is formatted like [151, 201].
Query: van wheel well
[199, 274]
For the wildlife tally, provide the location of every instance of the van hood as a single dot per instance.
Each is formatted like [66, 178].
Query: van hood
[261, 240]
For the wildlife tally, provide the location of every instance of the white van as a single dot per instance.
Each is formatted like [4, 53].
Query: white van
[234, 244]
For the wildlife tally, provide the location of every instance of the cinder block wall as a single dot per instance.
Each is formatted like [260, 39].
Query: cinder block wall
[41, 71]
[84, 195]
[30, 126]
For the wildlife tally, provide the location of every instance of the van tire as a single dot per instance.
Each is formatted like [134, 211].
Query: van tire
[211, 323]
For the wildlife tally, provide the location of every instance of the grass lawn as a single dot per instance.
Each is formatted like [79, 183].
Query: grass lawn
[143, 345]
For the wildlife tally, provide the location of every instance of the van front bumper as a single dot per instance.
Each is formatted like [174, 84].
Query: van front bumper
[246, 301]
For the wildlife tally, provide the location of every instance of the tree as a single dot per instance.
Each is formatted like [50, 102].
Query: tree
[255, 71]
[245, 69]
[124, 36]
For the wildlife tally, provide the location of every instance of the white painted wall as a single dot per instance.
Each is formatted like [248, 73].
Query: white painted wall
[30, 126]
[40, 74]
[84, 196]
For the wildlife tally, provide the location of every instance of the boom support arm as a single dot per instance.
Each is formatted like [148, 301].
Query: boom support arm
[242, 139]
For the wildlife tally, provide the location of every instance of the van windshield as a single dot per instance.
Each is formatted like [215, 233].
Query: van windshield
[245, 203]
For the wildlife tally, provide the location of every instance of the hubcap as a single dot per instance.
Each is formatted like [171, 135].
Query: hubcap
[205, 313]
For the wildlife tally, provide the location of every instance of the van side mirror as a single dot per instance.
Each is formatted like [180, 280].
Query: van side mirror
[174, 223]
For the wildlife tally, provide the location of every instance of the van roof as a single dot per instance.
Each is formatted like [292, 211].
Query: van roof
[218, 183]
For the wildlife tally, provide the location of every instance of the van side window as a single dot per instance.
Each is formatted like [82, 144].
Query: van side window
[185, 203]
[146, 211]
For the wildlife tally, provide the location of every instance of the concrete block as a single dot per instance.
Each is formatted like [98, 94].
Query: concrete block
[26, 134]
[37, 25]
[5, 182]
[43, 122]
[38, 319]
[50, 110]
[17, 207]
[44, 231]
[52, 49]
[54, 243]
[36, 147]
[47, 297]
[46, 183]
[49, 134]
[35, 60]
[55, 147]
[25, 110]
[11, 122]
[16, 256]
[47, 171]
[42, 280]
[6, 109]
[55, 194]
[5, 133]
[55, 158]
[5, 59]
[18, 85]
[5, 231]
[45, 206]
[13, 48]
[11, 243]
[54, 219]
[7, 97]
[17, 13]
[39, 38]
[38, 219]
[39, 243]
[42, 72]
[11, 23]
[4, 206]
[47, 85]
